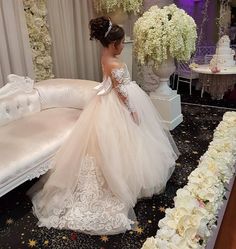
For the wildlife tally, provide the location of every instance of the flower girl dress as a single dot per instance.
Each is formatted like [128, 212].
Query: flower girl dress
[107, 162]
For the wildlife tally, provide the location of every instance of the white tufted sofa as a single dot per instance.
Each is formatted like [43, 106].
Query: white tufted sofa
[35, 119]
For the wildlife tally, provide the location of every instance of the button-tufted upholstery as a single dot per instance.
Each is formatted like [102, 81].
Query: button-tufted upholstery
[34, 124]
[18, 105]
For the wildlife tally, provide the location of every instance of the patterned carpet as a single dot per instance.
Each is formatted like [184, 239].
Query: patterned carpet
[18, 227]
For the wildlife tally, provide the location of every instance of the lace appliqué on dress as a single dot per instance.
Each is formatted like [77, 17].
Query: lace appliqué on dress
[91, 207]
[118, 75]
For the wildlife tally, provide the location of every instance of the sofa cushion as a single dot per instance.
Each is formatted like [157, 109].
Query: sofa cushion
[74, 93]
[32, 139]
[18, 105]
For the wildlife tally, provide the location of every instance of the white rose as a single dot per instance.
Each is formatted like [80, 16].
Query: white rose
[190, 221]
[28, 3]
[40, 60]
[184, 224]
[39, 46]
[186, 202]
[163, 244]
[166, 233]
[183, 192]
[39, 22]
[203, 230]
[150, 243]
[168, 221]
[189, 241]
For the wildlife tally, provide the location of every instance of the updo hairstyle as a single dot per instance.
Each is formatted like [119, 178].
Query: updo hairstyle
[103, 30]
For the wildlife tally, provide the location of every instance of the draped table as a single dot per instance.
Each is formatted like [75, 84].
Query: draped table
[216, 84]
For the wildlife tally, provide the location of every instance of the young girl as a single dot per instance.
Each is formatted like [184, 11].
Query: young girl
[117, 152]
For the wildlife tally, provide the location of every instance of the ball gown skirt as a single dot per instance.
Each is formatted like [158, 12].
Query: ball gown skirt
[105, 165]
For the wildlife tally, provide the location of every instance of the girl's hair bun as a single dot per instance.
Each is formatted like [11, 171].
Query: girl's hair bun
[99, 27]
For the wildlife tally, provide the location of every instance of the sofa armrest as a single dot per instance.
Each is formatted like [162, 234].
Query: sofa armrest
[18, 99]
[74, 93]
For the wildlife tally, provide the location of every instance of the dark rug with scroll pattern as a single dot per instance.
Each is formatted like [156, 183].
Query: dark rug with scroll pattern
[18, 227]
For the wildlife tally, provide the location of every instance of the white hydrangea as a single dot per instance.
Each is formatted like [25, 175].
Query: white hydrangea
[150, 243]
[164, 31]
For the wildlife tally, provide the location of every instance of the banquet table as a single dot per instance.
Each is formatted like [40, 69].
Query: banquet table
[216, 84]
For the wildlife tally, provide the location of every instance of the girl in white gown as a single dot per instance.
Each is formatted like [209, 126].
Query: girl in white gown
[117, 152]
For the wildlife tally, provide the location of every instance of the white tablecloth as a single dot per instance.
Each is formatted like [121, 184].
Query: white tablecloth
[216, 84]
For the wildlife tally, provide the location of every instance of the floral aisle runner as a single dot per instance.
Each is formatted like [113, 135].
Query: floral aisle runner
[190, 223]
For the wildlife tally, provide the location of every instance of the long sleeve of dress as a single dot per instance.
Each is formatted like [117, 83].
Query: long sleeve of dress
[117, 76]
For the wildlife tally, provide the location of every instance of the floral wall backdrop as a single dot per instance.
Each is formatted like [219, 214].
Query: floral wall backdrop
[40, 40]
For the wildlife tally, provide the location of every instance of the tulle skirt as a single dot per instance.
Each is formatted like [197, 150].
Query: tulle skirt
[105, 165]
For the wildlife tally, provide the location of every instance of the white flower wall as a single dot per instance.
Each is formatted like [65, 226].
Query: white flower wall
[40, 40]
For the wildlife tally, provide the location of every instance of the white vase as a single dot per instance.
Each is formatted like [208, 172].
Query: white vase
[166, 100]
[164, 71]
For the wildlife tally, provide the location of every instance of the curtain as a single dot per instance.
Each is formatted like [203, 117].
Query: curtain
[74, 55]
[15, 51]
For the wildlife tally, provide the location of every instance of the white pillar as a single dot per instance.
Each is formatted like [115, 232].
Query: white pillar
[169, 108]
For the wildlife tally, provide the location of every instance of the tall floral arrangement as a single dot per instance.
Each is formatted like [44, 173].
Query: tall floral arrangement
[160, 32]
[39, 37]
[112, 5]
